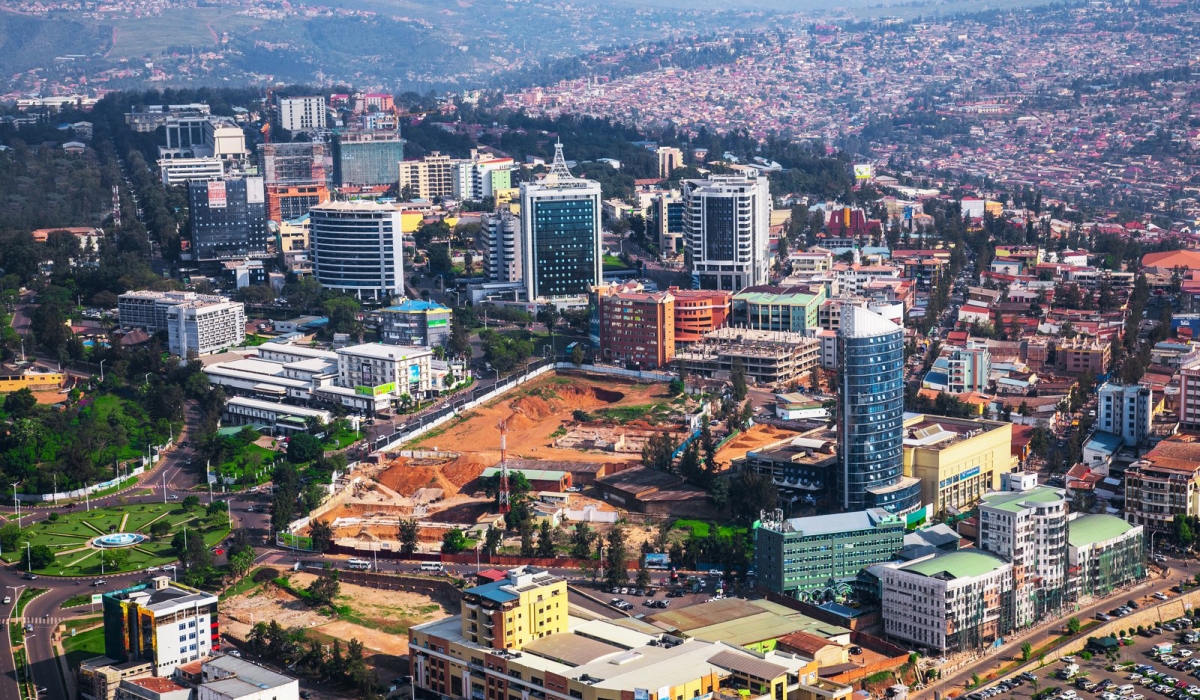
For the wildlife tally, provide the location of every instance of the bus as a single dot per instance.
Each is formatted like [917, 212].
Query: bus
[360, 564]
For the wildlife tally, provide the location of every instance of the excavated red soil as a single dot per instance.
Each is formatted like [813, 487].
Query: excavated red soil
[529, 411]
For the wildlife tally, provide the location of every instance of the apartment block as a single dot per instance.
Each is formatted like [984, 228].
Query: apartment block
[366, 158]
[950, 602]
[385, 369]
[1106, 553]
[198, 323]
[502, 255]
[699, 312]
[778, 308]
[637, 328]
[1029, 528]
[668, 160]
[959, 370]
[1126, 411]
[816, 557]
[1083, 354]
[163, 623]
[957, 460]
[228, 218]
[306, 113]
[1163, 484]
[428, 177]
[1189, 392]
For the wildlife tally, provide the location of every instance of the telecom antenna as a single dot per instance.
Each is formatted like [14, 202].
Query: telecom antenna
[505, 505]
[116, 204]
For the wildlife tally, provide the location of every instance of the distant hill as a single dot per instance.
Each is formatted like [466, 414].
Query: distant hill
[31, 42]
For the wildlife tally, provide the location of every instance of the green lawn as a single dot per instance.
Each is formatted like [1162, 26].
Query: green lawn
[700, 529]
[70, 537]
[83, 646]
[612, 263]
[76, 601]
[236, 466]
[340, 440]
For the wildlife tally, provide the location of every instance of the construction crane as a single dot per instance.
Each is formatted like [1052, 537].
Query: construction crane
[505, 505]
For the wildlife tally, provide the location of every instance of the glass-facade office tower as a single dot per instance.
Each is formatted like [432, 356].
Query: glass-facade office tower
[871, 429]
[560, 228]
[358, 247]
[367, 158]
[228, 218]
[726, 224]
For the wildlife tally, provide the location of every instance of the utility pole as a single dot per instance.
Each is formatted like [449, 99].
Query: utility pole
[17, 503]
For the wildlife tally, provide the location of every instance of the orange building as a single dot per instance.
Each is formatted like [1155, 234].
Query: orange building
[637, 328]
[287, 202]
[699, 311]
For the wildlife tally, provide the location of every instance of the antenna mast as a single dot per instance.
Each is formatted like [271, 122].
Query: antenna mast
[505, 506]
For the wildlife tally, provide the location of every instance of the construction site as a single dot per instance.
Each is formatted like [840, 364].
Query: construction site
[572, 426]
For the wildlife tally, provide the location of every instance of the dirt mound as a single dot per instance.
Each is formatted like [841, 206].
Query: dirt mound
[531, 409]
[463, 469]
[405, 479]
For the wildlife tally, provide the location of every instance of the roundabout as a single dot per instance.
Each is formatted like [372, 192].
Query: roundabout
[118, 540]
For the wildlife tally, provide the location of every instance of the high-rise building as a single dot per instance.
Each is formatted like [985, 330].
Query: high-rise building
[637, 328]
[228, 218]
[502, 259]
[164, 623]
[302, 113]
[1029, 528]
[560, 222]
[415, 323]
[358, 247]
[482, 176]
[177, 171]
[699, 312]
[428, 177]
[871, 425]
[1125, 411]
[1189, 391]
[667, 215]
[668, 160]
[367, 158]
[812, 558]
[794, 309]
[295, 176]
[726, 222]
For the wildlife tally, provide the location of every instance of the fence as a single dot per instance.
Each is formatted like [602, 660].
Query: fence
[646, 375]
[429, 421]
[78, 493]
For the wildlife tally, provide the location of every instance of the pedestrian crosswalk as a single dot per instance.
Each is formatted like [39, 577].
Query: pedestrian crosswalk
[51, 621]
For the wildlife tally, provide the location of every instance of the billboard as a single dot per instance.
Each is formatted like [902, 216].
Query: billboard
[374, 390]
[216, 194]
[255, 192]
[437, 323]
[657, 560]
[864, 171]
[414, 373]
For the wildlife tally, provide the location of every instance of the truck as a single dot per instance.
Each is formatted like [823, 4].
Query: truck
[1068, 671]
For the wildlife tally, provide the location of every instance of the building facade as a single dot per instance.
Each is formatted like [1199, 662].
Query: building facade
[296, 177]
[482, 176]
[1083, 354]
[960, 371]
[202, 327]
[668, 160]
[228, 218]
[386, 369]
[429, 177]
[358, 247]
[1163, 484]
[950, 602]
[415, 322]
[957, 460]
[815, 558]
[502, 255]
[769, 358]
[1029, 528]
[871, 425]
[178, 171]
[727, 221]
[560, 222]
[698, 312]
[301, 113]
[161, 622]
[667, 216]
[1106, 552]
[778, 308]
[637, 328]
[366, 158]
[1126, 411]
[1189, 392]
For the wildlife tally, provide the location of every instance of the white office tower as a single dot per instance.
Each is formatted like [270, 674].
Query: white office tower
[726, 224]
[560, 230]
[302, 113]
[358, 247]
[502, 246]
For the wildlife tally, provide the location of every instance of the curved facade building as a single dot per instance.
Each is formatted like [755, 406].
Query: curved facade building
[871, 429]
[358, 247]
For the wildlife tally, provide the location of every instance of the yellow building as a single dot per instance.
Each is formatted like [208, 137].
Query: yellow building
[34, 381]
[957, 459]
[515, 639]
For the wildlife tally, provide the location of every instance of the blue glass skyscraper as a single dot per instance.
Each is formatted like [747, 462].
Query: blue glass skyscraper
[560, 231]
[871, 429]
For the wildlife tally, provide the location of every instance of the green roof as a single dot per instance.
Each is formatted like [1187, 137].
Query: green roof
[1012, 501]
[530, 474]
[956, 564]
[793, 299]
[1090, 529]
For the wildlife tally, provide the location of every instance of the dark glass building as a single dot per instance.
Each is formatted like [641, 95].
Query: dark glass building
[560, 221]
[871, 429]
[228, 218]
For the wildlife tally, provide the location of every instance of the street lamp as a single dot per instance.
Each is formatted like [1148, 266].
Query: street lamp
[17, 503]
[102, 371]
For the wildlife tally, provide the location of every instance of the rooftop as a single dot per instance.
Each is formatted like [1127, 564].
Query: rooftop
[1014, 501]
[956, 565]
[842, 522]
[1091, 529]
[413, 305]
[384, 352]
[161, 595]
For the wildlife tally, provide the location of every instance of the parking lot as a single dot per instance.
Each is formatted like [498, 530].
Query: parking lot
[1139, 673]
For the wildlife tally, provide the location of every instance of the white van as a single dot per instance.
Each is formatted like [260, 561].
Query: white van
[432, 566]
[1125, 690]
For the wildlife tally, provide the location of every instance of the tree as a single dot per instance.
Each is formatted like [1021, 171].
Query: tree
[616, 555]
[1183, 530]
[302, 448]
[545, 546]
[38, 556]
[160, 528]
[454, 542]
[577, 355]
[240, 561]
[1026, 651]
[751, 493]
[643, 573]
[656, 453]
[409, 536]
[581, 541]
[191, 502]
[737, 379]
[10, 536]
[324, 589]
[689, 464]
[321, 535]
[1073, 625]
[20, 403]
[114, 559]
[492, 540]
[440, 262]
[343, 314]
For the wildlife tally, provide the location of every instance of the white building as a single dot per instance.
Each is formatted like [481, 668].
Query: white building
[1029, 528]
[302, 113]
[1189, 391]
[1106, 551]
[160, 622]
[358, 247]
[502, 246]
[177, 171]
[199, 323]
[948, 602]
[560, 232]
[1125, 411]
[227, 678]
[393, 370]
[281, 417]
[726, 224]
[481, 176]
